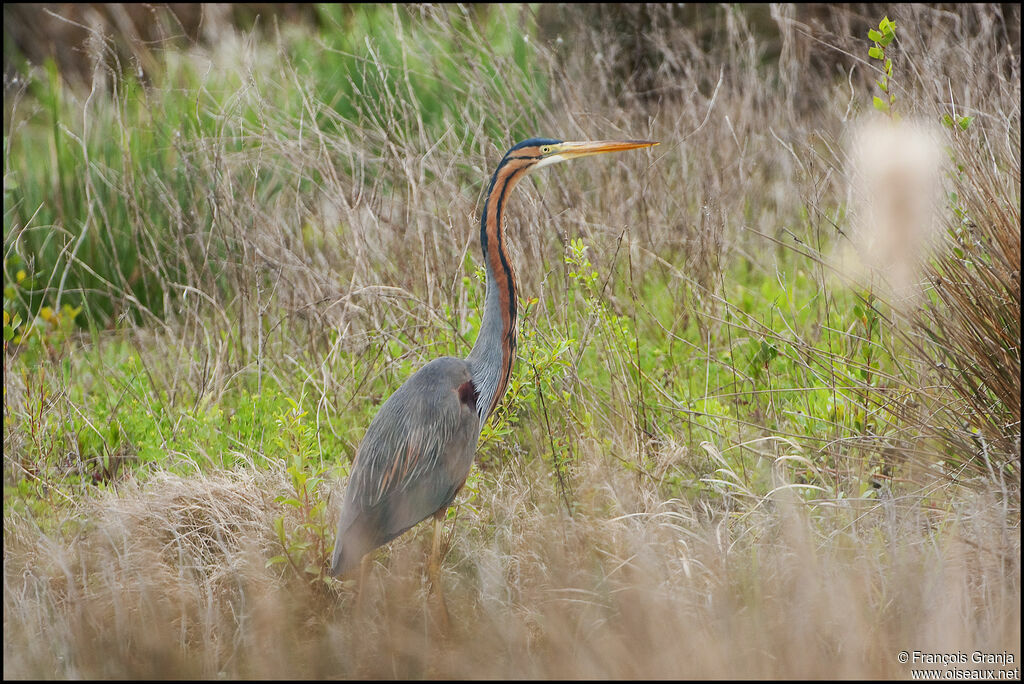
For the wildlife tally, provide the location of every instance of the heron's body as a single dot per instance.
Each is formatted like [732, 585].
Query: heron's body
[420, 446]
[413, 460]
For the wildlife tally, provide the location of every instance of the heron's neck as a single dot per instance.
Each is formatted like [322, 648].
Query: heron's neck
[494, 352]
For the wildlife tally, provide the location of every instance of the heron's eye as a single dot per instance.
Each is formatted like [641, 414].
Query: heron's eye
[546, 149]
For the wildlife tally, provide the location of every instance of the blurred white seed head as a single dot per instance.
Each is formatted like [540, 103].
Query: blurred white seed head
[896, 191]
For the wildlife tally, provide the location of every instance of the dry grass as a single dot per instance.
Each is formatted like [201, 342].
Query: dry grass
[326, 256]
[168, 581]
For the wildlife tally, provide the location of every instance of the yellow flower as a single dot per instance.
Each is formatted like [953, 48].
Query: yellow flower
[46, 313]
[20, 275]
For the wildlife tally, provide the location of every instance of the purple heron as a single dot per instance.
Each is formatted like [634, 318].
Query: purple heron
[418, 450]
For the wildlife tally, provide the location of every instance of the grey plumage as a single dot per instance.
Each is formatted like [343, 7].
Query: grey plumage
[414, 458]
[485, 359]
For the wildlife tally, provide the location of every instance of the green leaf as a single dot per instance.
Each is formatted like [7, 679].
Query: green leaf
[947, 121]
[886, 38]
[874, 35]
[965, 122]
[875, 52]
[881, 104]
[275, 560]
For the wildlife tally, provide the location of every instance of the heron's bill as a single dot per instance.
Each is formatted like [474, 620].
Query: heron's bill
[571, 150]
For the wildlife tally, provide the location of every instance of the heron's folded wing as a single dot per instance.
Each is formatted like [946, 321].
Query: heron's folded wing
[413, 458]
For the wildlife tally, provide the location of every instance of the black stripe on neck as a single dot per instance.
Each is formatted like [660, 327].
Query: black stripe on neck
[510, 332]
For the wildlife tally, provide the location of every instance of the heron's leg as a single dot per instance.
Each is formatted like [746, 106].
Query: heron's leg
[364, 570]
[434, 570]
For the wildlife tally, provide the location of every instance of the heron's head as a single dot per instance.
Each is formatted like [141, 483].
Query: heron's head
[540, 152]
